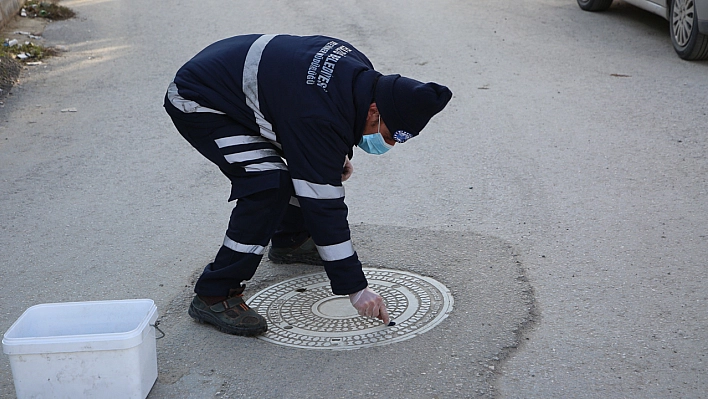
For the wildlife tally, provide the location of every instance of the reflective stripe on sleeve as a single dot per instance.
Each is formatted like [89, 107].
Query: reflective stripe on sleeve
[250, 84]
[184, 105]
[265, 166]
[334, 252]
[294, 202]
[250, 155]
[243, 248]
[317, 191]
[239, 140]
[233, 141]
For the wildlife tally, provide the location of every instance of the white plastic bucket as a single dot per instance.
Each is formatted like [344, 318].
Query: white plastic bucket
[101, 349]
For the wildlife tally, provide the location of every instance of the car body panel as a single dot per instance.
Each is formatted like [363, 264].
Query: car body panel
[661, 8]
[658, 8]
[702, 11]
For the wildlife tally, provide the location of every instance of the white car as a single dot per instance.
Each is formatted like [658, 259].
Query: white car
[688, 22]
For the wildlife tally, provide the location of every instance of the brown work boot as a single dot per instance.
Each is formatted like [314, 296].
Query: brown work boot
[229, 314]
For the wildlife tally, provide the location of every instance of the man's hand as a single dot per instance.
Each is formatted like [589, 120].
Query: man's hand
[348, 169]
[370, 304]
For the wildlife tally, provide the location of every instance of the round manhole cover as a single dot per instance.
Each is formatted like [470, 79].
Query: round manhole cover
[302, 312]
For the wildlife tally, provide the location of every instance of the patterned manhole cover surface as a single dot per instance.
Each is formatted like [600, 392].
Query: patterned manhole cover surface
[302, 312]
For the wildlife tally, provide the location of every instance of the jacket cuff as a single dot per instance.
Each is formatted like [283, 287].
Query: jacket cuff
[346, 276]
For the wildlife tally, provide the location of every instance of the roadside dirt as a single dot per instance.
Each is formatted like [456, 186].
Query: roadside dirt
[10, 68]
[24, 30]
[9, 73]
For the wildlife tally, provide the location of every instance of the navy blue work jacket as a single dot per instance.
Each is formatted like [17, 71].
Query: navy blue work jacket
[308, 98]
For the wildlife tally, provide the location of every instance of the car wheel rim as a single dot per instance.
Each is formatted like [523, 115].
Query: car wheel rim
[682, 21]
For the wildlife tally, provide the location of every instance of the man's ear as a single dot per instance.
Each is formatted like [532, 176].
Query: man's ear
[373, 114]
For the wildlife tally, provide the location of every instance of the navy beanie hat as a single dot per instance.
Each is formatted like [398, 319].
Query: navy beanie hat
[406, 105]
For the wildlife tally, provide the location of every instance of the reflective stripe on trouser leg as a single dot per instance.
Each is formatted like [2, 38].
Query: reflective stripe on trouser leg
[243, 248]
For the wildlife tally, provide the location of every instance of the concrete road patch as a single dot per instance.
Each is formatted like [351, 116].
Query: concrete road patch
[458, 358]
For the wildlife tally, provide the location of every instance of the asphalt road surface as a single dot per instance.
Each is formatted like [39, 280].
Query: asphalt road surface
[561, 196]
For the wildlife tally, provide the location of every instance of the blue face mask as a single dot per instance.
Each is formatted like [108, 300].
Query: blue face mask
[374, 143]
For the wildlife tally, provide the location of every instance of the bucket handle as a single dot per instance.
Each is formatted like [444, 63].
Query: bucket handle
[157, 323]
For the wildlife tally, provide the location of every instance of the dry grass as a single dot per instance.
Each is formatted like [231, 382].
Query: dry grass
[26, 51]
[47, 9]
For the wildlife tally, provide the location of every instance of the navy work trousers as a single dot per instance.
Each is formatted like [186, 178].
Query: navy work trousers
[262, 212]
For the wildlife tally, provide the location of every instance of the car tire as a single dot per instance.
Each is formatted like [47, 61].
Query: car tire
[594, 5]
[688, 42]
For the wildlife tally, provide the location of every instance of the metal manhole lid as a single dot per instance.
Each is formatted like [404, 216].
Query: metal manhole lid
[302, 312]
